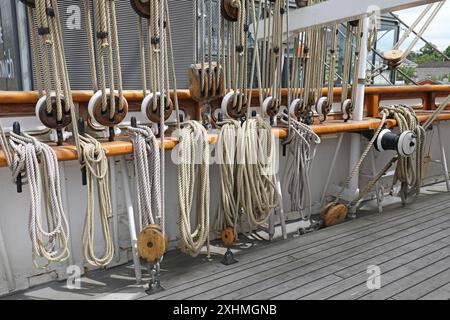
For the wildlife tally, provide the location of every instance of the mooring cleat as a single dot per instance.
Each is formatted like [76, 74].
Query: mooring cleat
[228, 258]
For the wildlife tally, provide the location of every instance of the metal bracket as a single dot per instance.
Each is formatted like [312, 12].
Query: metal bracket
[228, 258]
[154, 285]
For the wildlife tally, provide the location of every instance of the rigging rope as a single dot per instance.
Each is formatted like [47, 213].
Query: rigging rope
[148, 188]
[193, 152]
[303, 142]
[39, 164]
[97, 171]
[227, 153]
[256, 176]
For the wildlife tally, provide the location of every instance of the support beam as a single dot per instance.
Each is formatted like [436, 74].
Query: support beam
[334, 11]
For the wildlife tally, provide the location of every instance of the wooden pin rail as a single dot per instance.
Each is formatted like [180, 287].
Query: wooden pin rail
[124, 147]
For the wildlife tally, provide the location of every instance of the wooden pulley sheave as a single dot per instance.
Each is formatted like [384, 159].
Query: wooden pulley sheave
[152, 243]
[395, 57]
[235, 104]
[108, 106]
[53, 108]
[156, 54]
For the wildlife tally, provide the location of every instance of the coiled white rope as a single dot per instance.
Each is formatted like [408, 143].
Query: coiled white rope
[38, 164]
[227, 157]
[256, 178]
[97, 173]
[146, 161]
[409, 169]
[193, 151]
[303, 144]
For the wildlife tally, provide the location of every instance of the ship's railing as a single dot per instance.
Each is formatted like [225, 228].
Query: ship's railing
[423, 98]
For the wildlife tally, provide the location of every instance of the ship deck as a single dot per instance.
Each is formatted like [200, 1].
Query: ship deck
[410, 245]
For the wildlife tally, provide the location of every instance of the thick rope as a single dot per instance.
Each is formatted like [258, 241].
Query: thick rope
[146, 161]
[256, 177]
[303, 144]
[97, 172]
[193, 152]
[227, 153]
[38, 164]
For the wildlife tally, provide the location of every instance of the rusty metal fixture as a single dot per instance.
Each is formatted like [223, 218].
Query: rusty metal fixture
[49, 119]
[103, 117]
[231, 109]
[229, 12]
[154, 114]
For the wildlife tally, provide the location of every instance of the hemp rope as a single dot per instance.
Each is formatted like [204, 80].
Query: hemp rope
[256, 176]
[38, 164]
[148, 187]
[97, 173]
[303, 142]
[193, 152]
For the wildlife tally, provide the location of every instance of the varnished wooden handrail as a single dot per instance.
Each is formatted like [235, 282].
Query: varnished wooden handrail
[124, 147]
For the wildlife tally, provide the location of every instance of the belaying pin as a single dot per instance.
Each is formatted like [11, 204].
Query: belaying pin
[82, 131]
[16, 130]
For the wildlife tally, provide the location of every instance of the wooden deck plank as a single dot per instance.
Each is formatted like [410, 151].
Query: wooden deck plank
[417, 272]
[264, 255]
[327, 254]
[442, 293]
[423, 288]
[294, 288]
[354, 286]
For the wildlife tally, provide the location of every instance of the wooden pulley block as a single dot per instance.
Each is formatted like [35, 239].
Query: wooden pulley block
[29, 3]
[295, 108]
[334, 214]
[394, 58]
[301, 3]
[231, 109]
[103, 117]
[229, 237]
[49, 119]
[152, 243]
[214, 82]
[229, 12]
[347, 109]
[154, 115]
[142, 7]
[271, 107]
[323, 108]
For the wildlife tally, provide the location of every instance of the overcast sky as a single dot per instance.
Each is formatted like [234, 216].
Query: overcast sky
[439, 30]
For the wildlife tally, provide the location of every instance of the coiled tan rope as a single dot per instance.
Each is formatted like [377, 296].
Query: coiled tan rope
[97, 172]
[146, 160]
[256, 177]
[38, 165]
[227, 159]
[193, 152]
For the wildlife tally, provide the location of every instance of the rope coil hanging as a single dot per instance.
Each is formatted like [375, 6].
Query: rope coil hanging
[97, 171]
[256, 176]
[193, 153]
[38, 165]
[303, 144]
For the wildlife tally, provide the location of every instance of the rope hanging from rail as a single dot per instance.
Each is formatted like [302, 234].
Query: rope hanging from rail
[38, 165]
[193, 155]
